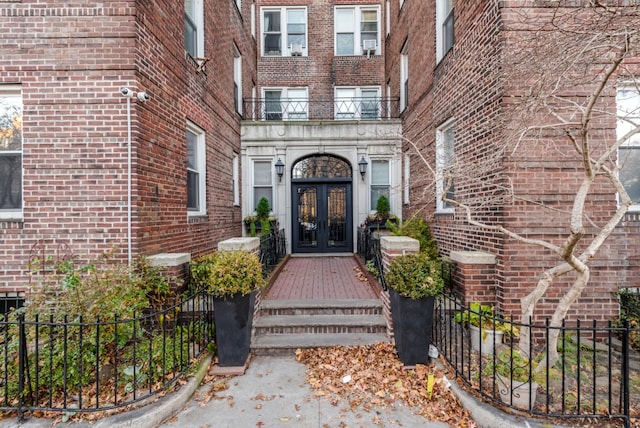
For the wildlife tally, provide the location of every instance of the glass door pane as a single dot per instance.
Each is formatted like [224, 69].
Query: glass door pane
[307, 221]
[337, 229]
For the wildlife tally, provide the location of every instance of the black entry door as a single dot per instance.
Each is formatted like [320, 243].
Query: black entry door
[322, 218]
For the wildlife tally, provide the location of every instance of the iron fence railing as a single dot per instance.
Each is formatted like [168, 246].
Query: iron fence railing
[77, 365]
[352, 108]
[273, 247]
[596, 375]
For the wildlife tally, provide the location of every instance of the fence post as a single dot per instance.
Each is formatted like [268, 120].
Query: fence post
[22, 355]
[625, 374]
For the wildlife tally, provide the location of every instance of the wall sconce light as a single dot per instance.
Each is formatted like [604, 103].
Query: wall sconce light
[279, 169]
[362, 165]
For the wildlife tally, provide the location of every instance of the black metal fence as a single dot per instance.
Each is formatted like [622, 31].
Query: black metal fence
[273, 247]
[596, 375]
[83, 366]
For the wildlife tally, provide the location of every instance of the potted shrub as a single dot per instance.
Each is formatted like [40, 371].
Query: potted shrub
[233, 277]
[517, 381]
[413, 280]
[260, 222]
[382, 216]
[485, 329]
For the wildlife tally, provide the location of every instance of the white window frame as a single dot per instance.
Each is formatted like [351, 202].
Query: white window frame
[239, 5]
[253, 20]
[357, 29]
[443, 160]
[198, 22]
[237, 78]
[628, 116]
[285, 45]
[346, 107]
[200, 168]
[14, 92]
[254, 199]
[388, 17]
[443, 9]
[404, 76]
[290, 110]
[373, 186]
[235, 176]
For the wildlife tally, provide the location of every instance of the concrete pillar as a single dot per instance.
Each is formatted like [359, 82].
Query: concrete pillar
[174, 265]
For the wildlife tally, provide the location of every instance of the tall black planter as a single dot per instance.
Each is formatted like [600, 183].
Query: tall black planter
[233, 320]
[412, 321]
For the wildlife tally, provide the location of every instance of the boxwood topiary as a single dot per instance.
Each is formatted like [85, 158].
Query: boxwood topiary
[415, 276]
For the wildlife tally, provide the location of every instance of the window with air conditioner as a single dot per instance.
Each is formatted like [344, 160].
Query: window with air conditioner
[284, 31]
[357, 30]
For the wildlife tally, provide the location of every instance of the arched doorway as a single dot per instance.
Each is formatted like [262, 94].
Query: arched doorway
[322, 205]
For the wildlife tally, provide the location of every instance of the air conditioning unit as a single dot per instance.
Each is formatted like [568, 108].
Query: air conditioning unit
[296, 49]
[368, 47]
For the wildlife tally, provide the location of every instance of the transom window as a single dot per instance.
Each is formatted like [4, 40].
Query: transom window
[628, 106]
[284, 31]
[10, 152]
[357, 30]
[321, 166]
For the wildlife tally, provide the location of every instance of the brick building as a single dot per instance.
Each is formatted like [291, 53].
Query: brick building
[319, 106]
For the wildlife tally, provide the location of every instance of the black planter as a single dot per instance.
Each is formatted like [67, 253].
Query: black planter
[233, 320]
[412, 321]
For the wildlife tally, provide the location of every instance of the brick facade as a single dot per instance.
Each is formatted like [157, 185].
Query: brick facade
[70, 63]
[469, 85]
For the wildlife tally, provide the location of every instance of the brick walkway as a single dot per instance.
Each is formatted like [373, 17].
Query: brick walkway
[321, 278]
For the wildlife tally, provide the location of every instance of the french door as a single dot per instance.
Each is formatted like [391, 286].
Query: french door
[322, 218]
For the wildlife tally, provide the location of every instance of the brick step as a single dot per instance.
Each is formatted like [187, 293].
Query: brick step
[286, 344]
[325, 324]
[321, 307]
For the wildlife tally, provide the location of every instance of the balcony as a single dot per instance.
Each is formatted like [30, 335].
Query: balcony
[301, 109]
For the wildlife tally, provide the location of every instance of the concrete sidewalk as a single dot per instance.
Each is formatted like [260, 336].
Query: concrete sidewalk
[273, 393]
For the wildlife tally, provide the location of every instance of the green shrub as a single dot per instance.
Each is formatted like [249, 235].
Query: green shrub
[383, 207]
[417, 228]
[227, 273]
[263, 209]
[415, 276]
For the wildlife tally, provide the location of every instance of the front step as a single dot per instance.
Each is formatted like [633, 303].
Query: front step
[285, 325]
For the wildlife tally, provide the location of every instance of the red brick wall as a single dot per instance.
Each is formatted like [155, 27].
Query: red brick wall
[320, 70]
[71, 63]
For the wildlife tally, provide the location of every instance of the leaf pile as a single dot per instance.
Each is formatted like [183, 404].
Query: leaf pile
[372, 375]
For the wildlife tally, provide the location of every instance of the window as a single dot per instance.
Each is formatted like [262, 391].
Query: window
[193, 28]
[357, 30]
[404, 77]
[239, 4]
[445, 138]
[284, 32]
[357, 103]
[235, 174]
[10, 152]
[407, 176]
[388, 16]
[285, 104]
[379, 181]
[196, 173]
[237, 79]
[444, 27]
[628, 105]
[253, 20]
[262, 182]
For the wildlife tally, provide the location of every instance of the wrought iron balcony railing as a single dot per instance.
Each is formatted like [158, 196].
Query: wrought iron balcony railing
[316, 109]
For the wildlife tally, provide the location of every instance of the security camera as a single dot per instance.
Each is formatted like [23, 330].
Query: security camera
[126, 92]
[143, 96]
